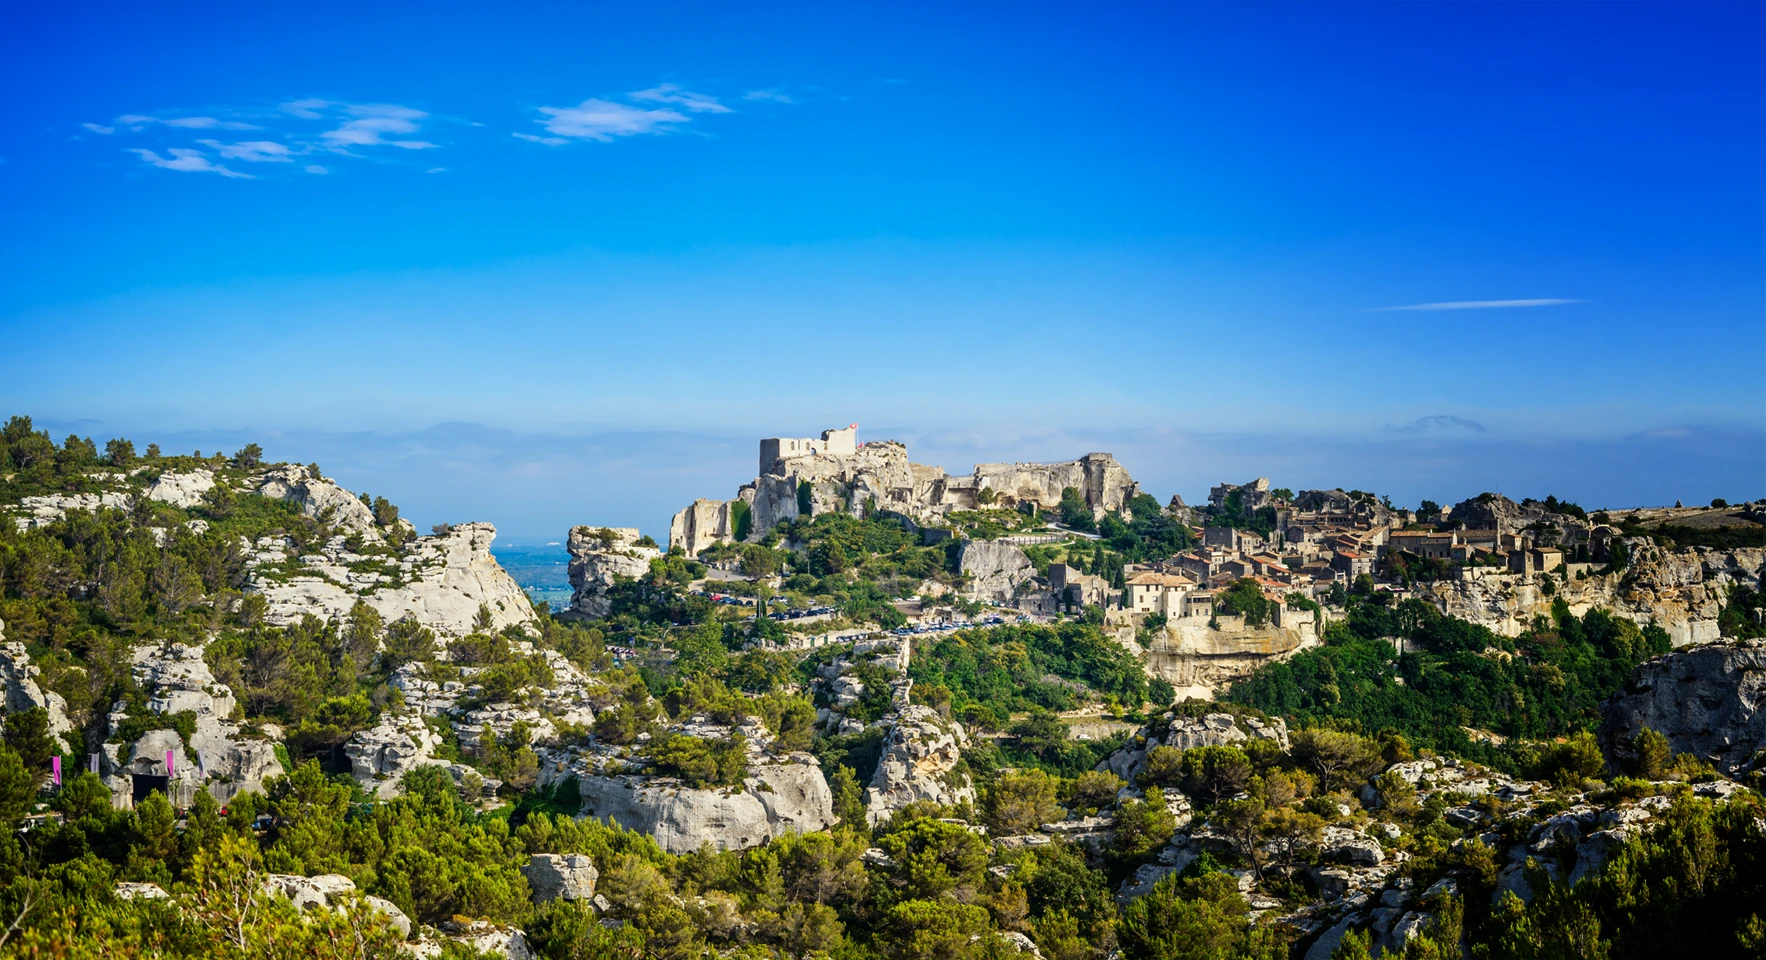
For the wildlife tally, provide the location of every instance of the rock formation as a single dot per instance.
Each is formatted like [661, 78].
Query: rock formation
[919, 762]
[1198, 658]
[1186, 733]
[319, 498]
[439, 581]
[183, 490]
[775, 798]
[382, 754]
[599, 556]
[1710, 701]
[995, 569]
[19, 690]
[33, 512]
[553, 876]
[834, 474]
[217, 757]
[1682, 592]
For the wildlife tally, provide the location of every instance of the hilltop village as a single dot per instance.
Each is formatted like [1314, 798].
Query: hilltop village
[866, 708]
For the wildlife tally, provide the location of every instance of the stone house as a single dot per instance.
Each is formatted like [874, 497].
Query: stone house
[1165, 593]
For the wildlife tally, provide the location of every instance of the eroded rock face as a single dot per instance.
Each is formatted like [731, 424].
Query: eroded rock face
[316, 497]
[382, 754]
[19, 690]
[918, 763]
[996, 569]
[440, 581]
[33, 512]
[218, 757]
[1682, 592]
[184, 490]
[775, 798]
[569, 876]
[1186, 733]
[1710, 701]
[1200, 659]
[598, 557]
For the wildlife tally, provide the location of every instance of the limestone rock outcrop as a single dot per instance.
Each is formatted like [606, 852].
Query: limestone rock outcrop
[183, 490]
[33, 512]
[775, 798]
[382, 754]
[702, 524]
[439, 581]
[995, 569]
[919, 762]
[1710, 701]
[553, 876]
[1186, 733]
[317, 497]
[333, 891]
[1683, 592]
[19, 690]
[1200, 658]
[218, 757]
[599, 557]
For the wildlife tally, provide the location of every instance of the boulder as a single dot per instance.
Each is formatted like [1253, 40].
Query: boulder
[599, 556]
[140, 891]
[918, 762]
[774, 799]
[554, 876]
[1710, 701]
[183, 490]
[382, 754]
[392, 913]
[1346, 845]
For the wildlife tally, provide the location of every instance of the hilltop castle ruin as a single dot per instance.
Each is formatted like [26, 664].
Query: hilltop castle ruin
[835, 473]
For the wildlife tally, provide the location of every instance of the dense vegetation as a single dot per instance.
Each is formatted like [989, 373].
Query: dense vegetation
[1453, 675]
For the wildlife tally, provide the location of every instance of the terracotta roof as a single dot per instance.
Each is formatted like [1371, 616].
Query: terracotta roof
[1161, 580]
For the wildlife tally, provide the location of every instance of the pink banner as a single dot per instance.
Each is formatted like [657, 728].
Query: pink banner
[55, 769]
[171, 771]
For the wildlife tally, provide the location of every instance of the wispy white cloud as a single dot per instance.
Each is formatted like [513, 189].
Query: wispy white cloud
[255, 151]
[774, 94]
[187, 161]
[306, 109]
[315, 168]
[1481, 304]
[371, 125]
[602, 120]
[685, 99]
[99, 128]
[135, 121]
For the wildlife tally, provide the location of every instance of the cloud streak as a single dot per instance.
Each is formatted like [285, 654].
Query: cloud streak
[187, 161]
[1482, 304]
[605, 120]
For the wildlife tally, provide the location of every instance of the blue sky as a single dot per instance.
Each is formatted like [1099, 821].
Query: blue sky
[559, 263]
